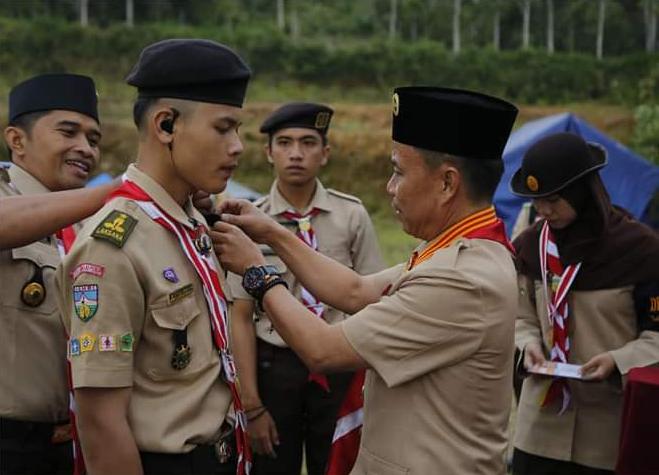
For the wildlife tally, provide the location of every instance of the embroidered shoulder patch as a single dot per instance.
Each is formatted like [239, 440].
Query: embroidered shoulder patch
[87, 268]
[126, 342]
[85, 301]
[75, 347]
[115, 228]
[180, 294]
[107, 343]
[87, 341]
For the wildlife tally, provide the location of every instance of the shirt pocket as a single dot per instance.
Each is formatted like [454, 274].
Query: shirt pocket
[158, 343]
[27, 263]
[374, 465]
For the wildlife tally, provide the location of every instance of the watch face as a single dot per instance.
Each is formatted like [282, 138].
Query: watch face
[253, 279]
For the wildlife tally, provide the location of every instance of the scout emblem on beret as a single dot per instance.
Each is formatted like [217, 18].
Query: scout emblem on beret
[532, 183]
[85, 301]
[322, 119]
[115, 228]
[33, 294]
[181, 357]
[396, 103]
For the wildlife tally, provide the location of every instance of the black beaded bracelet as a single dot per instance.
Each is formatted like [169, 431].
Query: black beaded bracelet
[277, 280]
[257, 415]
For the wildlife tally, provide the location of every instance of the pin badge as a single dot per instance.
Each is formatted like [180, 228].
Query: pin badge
[170, 275]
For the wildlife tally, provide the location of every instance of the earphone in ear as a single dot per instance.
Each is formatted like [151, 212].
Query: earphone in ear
[167, 125]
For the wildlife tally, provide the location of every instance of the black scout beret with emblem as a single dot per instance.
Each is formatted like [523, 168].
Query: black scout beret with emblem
[192, 69]
[47, 92]
[453, 121]
[554, 162]
[298, 114]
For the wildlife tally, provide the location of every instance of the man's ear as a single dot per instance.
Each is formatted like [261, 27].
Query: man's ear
[268, 152]
[15, 138]
[450, 180]
[326, 155]
[159, 116]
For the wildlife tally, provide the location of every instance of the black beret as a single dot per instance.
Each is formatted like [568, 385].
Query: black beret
[453, 121]
[47, 92]
[299, 114]
[192, 69]
[554, 162]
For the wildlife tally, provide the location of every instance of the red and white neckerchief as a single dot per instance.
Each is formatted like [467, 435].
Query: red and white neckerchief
[306, 233]
[208, 273]
[65, 238]
[347, 433]
[557, 310]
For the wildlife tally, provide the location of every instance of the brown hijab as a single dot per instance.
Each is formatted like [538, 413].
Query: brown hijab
[615, 250]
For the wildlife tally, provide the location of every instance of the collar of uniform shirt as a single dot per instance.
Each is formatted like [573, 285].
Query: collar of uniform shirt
[477, 220]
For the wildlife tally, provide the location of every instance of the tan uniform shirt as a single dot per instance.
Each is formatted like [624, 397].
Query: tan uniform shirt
[32, 342]
[600, 320]
[123, 303]
[344, 232]
[440, 345]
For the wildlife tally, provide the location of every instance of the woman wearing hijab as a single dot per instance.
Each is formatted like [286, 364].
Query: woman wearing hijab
[587, 273]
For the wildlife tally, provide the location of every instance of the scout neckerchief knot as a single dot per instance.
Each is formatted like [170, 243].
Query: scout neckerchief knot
[557, 310]
[65, 238]
[196, 251]
[483, 224]
[306, 233]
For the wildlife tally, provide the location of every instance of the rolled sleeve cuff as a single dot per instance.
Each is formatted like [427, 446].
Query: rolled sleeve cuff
[102, 378]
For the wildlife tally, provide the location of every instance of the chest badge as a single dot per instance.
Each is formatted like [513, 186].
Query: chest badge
[33, 294]
[181, 357]
[170, 275]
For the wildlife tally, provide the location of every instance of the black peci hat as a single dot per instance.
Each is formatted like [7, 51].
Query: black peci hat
[46, 92]
[453, 121]
[192, 69]
[298, 114]
[554, 162]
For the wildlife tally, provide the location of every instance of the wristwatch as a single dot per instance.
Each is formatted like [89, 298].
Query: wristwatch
[257, 280]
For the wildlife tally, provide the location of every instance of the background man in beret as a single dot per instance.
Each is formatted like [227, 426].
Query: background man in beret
[142, 292]
[436, 333]
[287, 407]
[52, 137]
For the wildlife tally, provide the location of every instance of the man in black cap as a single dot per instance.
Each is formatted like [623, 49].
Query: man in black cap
[436, 333]
[52, 137]
[290, 410]
[141, 291]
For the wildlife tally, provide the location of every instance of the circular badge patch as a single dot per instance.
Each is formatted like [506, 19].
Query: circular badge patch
[396, 103]
[532, 183]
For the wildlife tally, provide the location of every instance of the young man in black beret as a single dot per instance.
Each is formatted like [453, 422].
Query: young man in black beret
[52, 137]
[141, 291]
[436, 334]
[289, 409]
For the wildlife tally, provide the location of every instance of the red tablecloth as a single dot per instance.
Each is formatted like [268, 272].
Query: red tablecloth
[639, 436]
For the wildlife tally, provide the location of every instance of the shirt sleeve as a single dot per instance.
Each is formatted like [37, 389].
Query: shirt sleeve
[643, 351]
[433, 320]
[527, 325]
[235, 285]
[364, 249]
[102, 299]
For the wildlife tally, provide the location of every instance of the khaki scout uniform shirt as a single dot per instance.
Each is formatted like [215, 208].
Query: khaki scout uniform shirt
[440, 345]
[125, 326]
[32, 342]
[589, 430]
[344, 232]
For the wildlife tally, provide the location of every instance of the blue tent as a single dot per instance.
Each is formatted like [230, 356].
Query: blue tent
[630, 180]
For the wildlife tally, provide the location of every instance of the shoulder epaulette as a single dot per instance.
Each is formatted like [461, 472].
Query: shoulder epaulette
[115, 228]
[345, 196]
